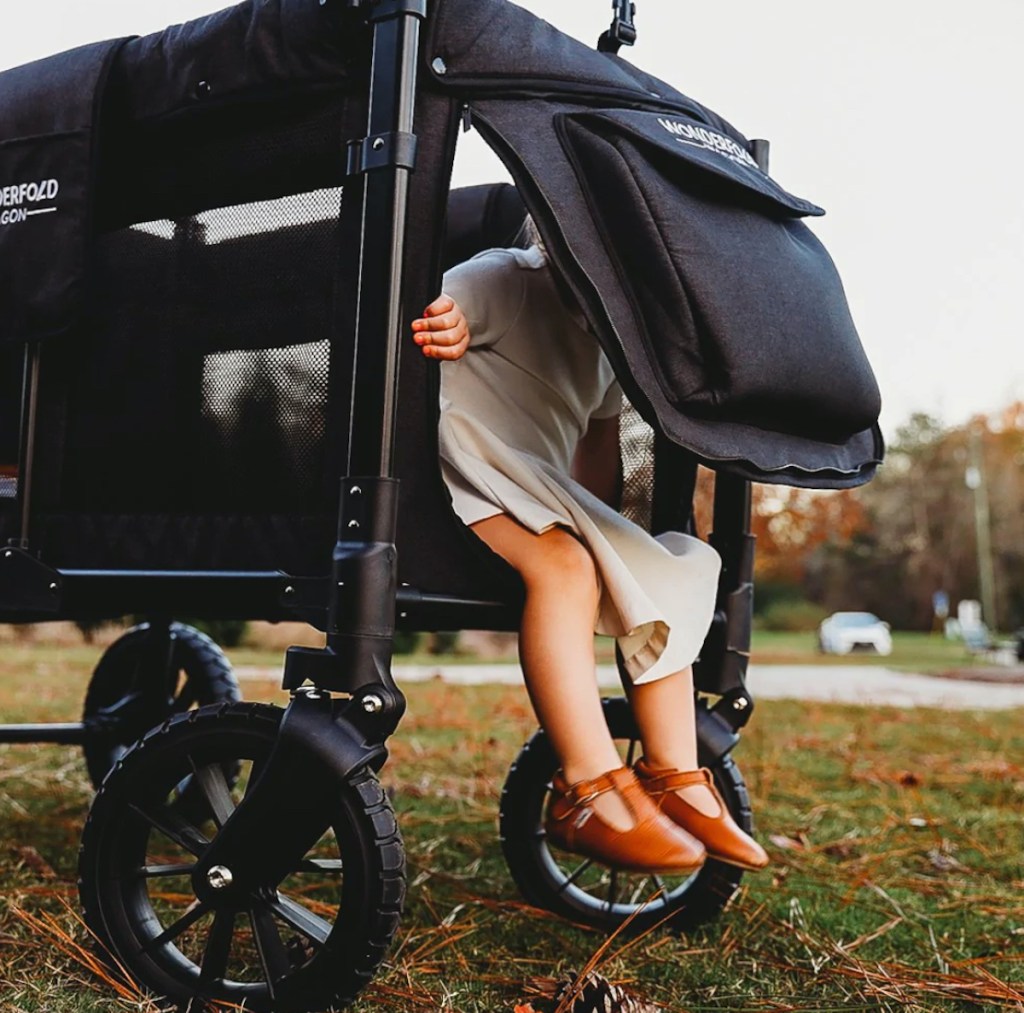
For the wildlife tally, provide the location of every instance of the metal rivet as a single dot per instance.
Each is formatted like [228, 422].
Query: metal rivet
[740, 703]
[203, 89]
[372, 703]
[378, 143]
[53, 585]
[439, 66]
[353, 523]
[357, 490]
[403, 615]
[289, 590]
[219, 877]
[8, 554]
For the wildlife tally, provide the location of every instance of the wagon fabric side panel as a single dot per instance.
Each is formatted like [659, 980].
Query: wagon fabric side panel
[194, 410]
[50, 119]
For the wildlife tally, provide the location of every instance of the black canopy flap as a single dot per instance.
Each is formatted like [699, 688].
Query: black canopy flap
[49, 122]
[658, 247]
[736, 302]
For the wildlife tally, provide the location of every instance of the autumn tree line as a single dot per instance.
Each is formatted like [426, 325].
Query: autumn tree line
[889, 546]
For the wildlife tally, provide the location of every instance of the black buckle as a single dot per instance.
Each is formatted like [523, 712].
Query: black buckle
[381, 151]
[381, 10]
[622, 31]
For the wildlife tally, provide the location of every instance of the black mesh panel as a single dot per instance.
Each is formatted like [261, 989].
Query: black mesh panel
[636, 443]
[203, 384]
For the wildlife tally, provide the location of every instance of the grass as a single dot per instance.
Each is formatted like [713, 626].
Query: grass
[897, 879]
[911, 652]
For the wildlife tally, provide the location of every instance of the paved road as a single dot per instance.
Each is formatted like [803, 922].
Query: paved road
[869, 685]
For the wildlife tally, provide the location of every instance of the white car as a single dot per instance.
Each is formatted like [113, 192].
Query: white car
[842, 632]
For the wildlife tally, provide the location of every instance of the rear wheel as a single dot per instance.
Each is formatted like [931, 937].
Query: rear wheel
[309, 941]
[126, 697]
[586, 891]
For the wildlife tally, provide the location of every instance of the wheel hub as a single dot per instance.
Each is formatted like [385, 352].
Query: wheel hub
[219, 877]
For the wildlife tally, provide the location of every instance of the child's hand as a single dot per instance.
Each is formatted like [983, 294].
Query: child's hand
[442, 331]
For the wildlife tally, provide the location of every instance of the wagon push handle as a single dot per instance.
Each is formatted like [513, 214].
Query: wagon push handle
[622, 31]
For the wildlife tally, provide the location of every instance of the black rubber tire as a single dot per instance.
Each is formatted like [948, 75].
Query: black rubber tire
[119, 905]
[544, 877]
[199, 674]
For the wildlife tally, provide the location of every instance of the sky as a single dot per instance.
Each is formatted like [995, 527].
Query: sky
[897, 116]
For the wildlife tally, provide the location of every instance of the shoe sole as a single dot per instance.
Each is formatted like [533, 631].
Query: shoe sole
[737, 864]
[672, 870]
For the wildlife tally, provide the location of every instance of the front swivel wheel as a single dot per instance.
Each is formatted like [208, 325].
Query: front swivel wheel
[309, 940]
[586, 891]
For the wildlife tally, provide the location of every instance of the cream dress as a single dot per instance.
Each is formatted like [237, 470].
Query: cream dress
[512, 411]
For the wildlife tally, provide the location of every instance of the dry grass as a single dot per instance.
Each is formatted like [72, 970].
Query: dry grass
[897, 880]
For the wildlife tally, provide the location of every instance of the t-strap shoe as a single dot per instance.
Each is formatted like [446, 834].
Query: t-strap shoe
[724, 840]
[652, 844]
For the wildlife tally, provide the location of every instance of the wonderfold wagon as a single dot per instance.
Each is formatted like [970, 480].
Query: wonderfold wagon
[212, 241]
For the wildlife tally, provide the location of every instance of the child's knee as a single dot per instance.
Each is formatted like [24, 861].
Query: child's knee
[563, 561]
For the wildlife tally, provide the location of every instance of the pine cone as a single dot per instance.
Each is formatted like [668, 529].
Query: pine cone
[598, 995]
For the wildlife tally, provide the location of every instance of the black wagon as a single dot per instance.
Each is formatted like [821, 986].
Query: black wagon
[212, 242]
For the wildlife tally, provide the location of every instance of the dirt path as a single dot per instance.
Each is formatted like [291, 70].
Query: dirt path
[868, 685]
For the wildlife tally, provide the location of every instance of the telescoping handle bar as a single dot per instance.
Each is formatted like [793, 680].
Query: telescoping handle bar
[622, 31]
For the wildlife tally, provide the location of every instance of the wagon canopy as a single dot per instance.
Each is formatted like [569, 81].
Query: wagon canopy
[722, 313]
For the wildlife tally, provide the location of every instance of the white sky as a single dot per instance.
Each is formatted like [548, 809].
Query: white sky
[898, 116]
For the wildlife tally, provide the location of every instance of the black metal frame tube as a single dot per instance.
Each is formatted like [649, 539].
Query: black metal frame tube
[382, 244]
[29, 413]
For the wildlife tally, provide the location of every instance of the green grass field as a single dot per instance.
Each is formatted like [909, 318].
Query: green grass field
[896, 836]
[911, 652]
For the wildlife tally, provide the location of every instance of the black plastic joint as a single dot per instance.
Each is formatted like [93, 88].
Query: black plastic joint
[26, 584]
[381, 151]
[381, 10]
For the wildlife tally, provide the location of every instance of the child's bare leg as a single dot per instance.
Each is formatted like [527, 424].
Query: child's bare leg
[556, 647]
[664, 712]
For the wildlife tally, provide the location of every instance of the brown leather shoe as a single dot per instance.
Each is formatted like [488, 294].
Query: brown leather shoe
[724, 840]
[652, 844]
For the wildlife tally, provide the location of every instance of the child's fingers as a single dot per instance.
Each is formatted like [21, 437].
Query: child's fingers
[450, 336]
[452, 351]
[442, 304]
[444, 321]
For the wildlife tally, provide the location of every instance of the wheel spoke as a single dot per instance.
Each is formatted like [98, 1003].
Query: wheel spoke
[577, 872]
[660, 884]
[150, 871]
[218, 947]
[184, 700]
[301, 919]
[273, 955]
[214, 786]
[175, 827]
[175, 929]
[319, 865]
[613, 883]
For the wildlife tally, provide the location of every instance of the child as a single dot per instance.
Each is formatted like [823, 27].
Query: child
[529, 451]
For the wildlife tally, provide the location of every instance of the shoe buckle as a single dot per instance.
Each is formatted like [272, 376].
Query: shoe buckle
[582, 818]
[584, 799]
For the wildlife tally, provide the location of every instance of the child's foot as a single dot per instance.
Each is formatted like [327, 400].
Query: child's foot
[691, 800]
[653, 843]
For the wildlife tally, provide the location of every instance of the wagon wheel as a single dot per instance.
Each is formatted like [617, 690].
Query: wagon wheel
[123, 700]
[586, 891]
[307, 941]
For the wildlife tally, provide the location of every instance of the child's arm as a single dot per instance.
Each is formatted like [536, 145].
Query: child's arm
[597, 464]
[442, 332]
